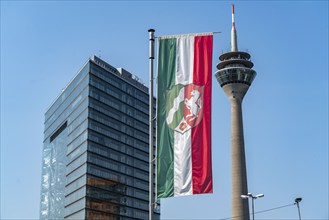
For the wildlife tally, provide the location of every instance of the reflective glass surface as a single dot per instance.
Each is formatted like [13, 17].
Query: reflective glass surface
[53, 178]
[235, 75]
[63, 155]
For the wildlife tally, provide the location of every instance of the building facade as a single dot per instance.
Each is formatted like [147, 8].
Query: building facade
[95, 153]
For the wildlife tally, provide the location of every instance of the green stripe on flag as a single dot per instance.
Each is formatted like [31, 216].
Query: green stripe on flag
[165, 135]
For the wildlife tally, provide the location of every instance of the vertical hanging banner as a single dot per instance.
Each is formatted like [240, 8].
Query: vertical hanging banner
[184, 115]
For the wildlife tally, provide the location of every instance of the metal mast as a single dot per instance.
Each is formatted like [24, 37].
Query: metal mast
[235, 76]
[151, 119]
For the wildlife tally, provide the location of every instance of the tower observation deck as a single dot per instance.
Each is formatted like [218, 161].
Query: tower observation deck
[235, 67]
[235, 76]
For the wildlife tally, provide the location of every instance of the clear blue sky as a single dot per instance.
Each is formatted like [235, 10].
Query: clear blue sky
[43, 45]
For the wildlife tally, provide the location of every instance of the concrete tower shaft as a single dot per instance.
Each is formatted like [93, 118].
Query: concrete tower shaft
[240, 207]
[235, 76]
[235, 92]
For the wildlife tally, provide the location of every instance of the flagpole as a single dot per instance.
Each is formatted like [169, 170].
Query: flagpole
[151, 150]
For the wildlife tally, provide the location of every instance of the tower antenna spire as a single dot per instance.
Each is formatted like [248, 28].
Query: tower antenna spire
[232, 15]
[234, 42]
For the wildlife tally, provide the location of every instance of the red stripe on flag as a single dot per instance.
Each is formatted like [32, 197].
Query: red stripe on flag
[201, 134]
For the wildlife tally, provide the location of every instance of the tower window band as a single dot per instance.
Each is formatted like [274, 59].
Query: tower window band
[58, 131]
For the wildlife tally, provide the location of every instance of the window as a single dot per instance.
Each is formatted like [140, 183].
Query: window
[58, 131]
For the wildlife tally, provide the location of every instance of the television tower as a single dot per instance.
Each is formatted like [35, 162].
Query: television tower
[235, 76]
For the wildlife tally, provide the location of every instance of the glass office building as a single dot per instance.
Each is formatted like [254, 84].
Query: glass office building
[95, 150]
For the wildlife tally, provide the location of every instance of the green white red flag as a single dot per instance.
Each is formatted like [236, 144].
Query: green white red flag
[184, 115]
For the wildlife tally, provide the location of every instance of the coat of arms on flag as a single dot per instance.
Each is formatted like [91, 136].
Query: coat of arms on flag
[184, 107]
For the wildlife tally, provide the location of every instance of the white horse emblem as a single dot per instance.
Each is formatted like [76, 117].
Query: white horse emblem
[184, 107]
[194, 104]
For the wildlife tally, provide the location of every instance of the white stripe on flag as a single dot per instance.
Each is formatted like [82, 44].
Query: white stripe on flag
[184, 60]
[182, 143]
[182, 164]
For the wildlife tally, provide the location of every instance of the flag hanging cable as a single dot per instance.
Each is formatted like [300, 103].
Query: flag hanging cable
[189, 35]
[151, 121]
[184, 115]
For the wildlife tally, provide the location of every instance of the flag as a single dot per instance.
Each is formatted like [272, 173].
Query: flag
[184, 115]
